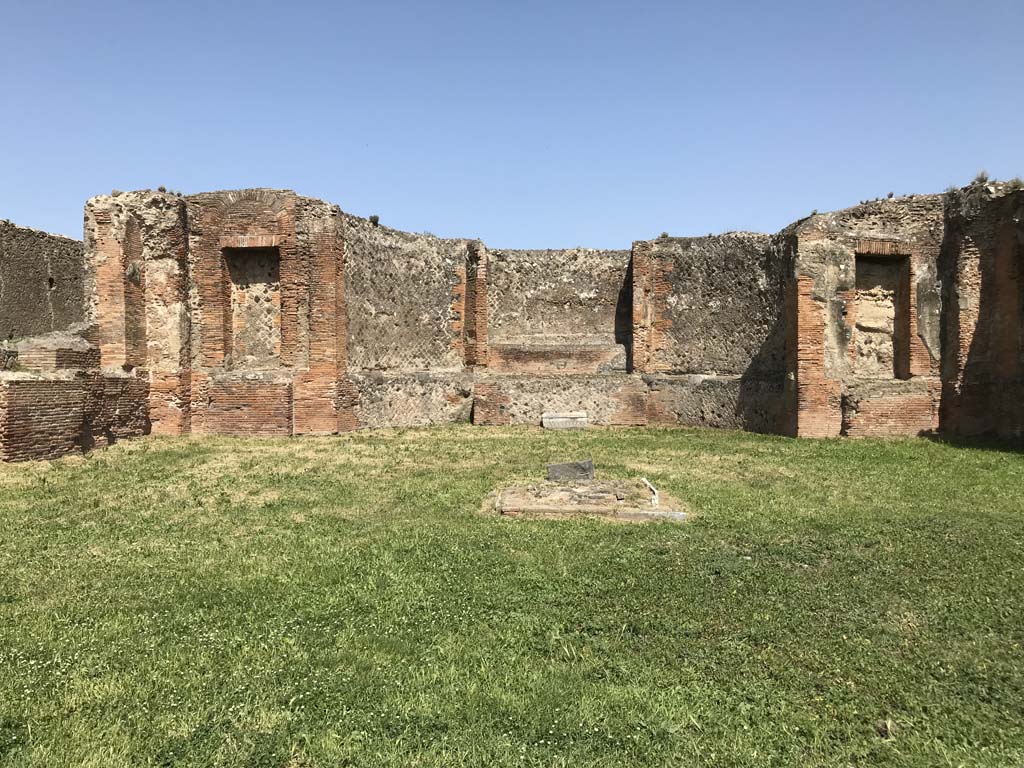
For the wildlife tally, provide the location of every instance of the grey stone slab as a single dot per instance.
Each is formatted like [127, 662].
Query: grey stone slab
[571, 470]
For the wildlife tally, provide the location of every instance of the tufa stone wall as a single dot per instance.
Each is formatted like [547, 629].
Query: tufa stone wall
[412, 399]
[261, 312]
[559, 311]
[417, 316]
[401, 294]
[709, 327]
[608, 399]
[41, 282]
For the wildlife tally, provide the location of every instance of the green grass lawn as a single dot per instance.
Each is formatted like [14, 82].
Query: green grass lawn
[343, 601]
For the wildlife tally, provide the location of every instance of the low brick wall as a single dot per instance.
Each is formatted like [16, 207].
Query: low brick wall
[891, 409]
[44, 418]
[248, 408]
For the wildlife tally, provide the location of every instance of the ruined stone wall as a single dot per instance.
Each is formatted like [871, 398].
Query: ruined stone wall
[137, 305]
[983, 330]
[608, 399]
[44, 417]
[709, 328]
[416, 318]
[41, 282]
[702, 318]
[225, 303]
[842, 315]
[260, 312]
[401, 295]
[559, 311]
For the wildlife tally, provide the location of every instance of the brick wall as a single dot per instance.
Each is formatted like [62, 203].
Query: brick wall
[490, 405]
[189, 274]
[818, 395]
[318, 405]
[248, 408]
[48, 418]
[830, 381]
[983, 354]
[891, 409]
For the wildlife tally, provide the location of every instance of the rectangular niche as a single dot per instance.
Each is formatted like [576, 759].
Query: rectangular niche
[255, 337]
[881, 332]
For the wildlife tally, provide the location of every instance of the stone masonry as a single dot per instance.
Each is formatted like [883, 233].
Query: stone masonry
[41, 282]
[261, 312]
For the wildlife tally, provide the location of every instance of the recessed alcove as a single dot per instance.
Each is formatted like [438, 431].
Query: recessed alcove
[881, 331]
[255, 310]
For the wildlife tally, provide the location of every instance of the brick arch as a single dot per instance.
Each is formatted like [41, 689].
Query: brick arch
[276, 201]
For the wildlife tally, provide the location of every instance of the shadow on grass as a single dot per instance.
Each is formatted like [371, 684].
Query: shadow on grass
[978, 443]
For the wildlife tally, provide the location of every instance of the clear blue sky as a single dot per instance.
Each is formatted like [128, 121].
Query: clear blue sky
[527, 124]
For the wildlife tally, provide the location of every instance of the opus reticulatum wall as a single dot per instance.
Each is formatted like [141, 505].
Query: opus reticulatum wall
[262, 312]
